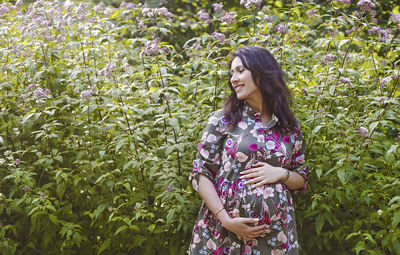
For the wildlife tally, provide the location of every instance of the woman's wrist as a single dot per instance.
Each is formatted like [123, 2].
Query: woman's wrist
[223, 217]
[285, 174]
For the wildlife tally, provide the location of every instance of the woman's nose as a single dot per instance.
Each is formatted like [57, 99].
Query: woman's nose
[234, 78]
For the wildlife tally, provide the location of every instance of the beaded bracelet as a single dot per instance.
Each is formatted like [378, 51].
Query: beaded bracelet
[287, 176]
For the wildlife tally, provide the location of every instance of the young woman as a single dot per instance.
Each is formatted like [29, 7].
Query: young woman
[250, 156]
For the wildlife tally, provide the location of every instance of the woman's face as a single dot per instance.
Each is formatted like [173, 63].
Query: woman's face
[242, 82]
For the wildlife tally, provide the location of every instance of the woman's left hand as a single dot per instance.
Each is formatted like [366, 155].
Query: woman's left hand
[262, 173]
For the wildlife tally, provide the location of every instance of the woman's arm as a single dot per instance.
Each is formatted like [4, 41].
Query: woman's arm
[263, 173]
[239, 226]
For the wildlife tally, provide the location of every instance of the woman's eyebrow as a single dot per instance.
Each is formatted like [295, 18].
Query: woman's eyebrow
[237, 68]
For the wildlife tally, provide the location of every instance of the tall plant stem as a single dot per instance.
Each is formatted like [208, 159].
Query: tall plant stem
[170, 116]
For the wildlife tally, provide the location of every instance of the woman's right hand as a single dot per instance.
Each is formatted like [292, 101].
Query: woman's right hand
[242, 227]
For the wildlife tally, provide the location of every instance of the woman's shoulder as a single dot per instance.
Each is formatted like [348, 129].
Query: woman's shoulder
[218, 118]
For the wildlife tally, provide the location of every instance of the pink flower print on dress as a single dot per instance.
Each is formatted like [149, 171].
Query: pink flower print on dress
[253, 147]
[242, 125]
[227, 166]
[196, 238]
[282, 237]
[270, 145]
[279, 188]
[211, 138]
[211, 244]
[286, 139]
[241, 156]
[204, 153]
[268, 192]
[213, 120]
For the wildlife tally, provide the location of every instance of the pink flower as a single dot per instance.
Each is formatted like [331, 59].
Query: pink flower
[363, 131]
[219, 36]
[346, 81]
[31, 87]
[108, 70]
[374, 30]
[228, 17]
[396, 17]
[251, 3]
[329, 57]
[26, 188]
[86, 93]
[203, 15]
[281, 29]
[217, 6]
[366, 5]
[42, 195]
[39, 93]
[99, 7]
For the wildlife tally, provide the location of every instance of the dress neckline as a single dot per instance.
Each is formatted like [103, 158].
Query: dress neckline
[251, 112]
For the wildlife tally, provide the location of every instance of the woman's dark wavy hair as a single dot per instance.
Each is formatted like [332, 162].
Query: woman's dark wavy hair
[268, 77]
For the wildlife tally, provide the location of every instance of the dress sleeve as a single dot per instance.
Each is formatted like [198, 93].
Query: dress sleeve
[209, 150]
[298, 162]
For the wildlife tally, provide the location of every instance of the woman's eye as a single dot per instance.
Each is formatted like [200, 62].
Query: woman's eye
[241, 70]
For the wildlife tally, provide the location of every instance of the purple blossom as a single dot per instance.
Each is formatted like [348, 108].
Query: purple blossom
[311, 12]
[396, 17]
[217, 6]
[197, 46]
[383, 35]
[219, 36]
[357, 14]
[363, 131]
[31, 86]
[228, 17]
[251, 3]
[17, 161]
[382, 100]
[127, 6]
[39, 93]
[282, 29]
[268, 18]
[366, 5]
[168, 188]
[203, 15]
[346, 81]
[42, 195]
[86, 93]
[374, 30]
[99, 7]
[71, 227]
[344, 1]
[19, 3]
[152, 47]
[329, 57]
[26, 188]
[107, 71]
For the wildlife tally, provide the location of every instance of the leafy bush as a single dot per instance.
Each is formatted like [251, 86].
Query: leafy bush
[102, 108]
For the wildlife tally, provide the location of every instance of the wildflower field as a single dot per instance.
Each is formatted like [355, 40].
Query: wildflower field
[102, 106]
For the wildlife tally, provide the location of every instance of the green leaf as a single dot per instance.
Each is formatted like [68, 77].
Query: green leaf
[104, 246]
[396, 219]
[319, 223]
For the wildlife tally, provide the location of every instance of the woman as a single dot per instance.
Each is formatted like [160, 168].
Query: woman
[250, 156]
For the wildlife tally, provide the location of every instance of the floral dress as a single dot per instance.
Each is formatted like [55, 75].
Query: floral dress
[222, 154]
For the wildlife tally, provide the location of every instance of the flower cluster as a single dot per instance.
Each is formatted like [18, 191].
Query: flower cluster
[108, 70]
[219, 36]
[217, 6]
[228, 17]
[40, 93]
[127, 6]
[152, 47]
[157, 12]
[329, 58]
[396, 17]
[251, 3]
[282, 29]
[363, 131]
[346, 81]
[204, 16]
[86, 93]
[366, 5]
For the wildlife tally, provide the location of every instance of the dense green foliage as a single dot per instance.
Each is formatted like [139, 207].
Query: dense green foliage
[102, 107]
